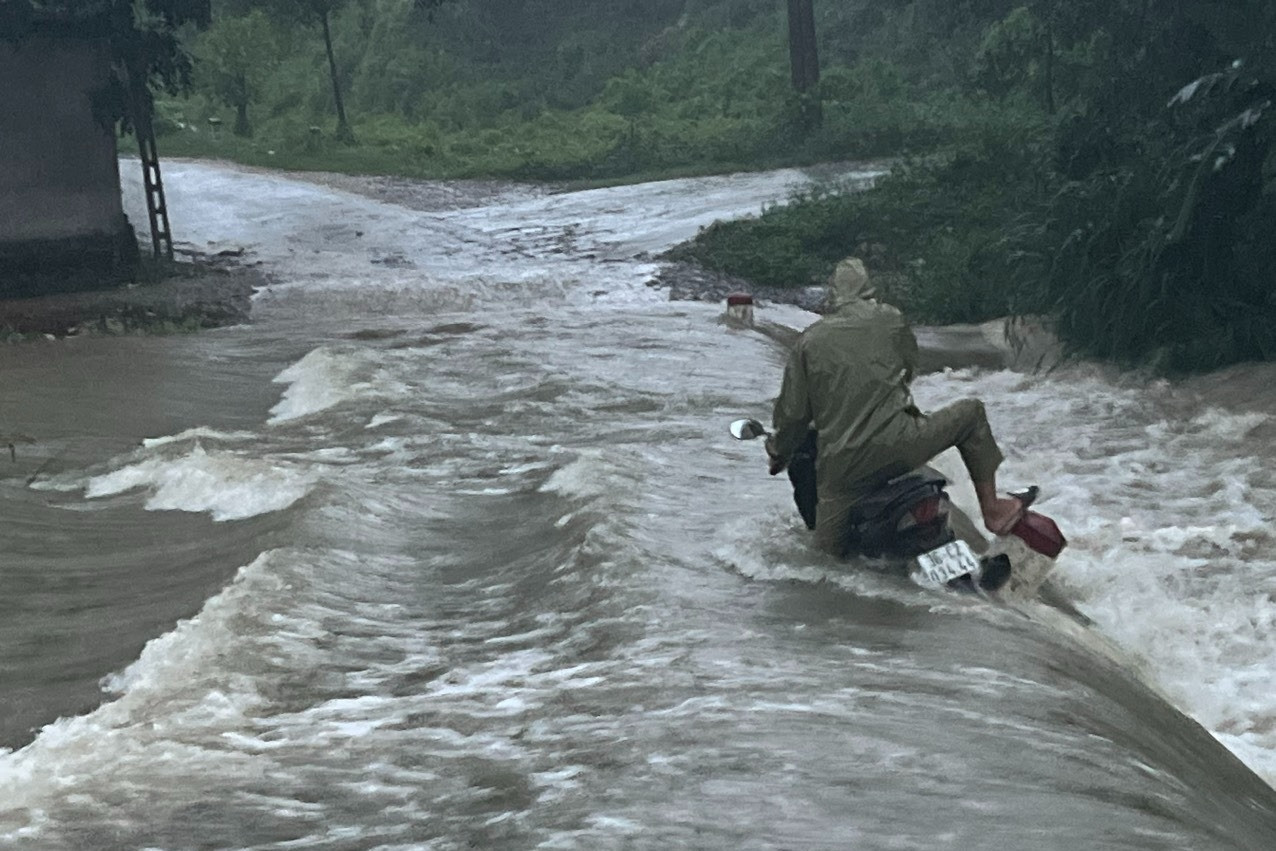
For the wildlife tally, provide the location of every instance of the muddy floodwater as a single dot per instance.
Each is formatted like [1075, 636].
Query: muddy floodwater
[450, 549]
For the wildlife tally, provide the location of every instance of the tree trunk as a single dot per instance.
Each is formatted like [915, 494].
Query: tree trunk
[242, 127]
[804, 60]
[344, 133]
[1049, 70]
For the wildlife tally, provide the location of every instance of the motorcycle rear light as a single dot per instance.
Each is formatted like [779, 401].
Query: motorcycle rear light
[926, 510]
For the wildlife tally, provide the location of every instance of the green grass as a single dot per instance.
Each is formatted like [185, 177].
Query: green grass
[929, 232]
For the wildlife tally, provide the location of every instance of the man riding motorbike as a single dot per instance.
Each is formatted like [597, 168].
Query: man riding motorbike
[848, 379]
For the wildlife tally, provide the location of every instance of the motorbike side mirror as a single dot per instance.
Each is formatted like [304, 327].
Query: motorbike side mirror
[747, 429]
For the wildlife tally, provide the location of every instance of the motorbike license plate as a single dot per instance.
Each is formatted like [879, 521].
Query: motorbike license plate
[942, 565]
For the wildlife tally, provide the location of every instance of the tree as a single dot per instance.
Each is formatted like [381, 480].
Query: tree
[803, 58]
[321, 12]
[318, 12]
[234, 56]
[1158, 244]
[1009, 55]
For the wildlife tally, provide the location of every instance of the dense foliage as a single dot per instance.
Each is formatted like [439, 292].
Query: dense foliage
[574, 89]
[1137, 210]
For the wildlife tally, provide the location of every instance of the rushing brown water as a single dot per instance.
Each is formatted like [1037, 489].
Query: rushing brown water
[454, 551]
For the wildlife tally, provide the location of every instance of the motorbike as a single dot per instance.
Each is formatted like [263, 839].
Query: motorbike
[909, 520]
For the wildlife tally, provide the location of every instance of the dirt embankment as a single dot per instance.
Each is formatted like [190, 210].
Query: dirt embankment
[195, 291]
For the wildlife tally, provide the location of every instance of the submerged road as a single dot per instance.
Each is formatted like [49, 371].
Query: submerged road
[450, 548]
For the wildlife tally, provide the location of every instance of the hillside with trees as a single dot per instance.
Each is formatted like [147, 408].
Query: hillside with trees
[577, 89]
[1106, 163]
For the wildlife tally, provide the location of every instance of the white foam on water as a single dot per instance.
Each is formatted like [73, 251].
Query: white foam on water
[591, 474]
[175, 683]
[199, 433]
[320, 380]
[383, 418]
[226, 485]
[212, 705]
[1170, 531]
[594, 247]
[1204, 626]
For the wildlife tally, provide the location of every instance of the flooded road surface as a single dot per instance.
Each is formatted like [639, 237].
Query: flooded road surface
[450, 549]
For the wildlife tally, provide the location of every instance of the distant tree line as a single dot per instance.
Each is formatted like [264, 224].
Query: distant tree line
[502, 34]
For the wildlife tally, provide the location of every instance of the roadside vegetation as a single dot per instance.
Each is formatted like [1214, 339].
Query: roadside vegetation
[1134, 204]
[1107, 163]
[528, 89]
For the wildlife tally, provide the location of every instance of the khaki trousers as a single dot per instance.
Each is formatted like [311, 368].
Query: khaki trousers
[920, 438]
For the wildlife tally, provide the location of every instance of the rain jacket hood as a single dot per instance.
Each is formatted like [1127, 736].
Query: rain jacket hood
[849, 284]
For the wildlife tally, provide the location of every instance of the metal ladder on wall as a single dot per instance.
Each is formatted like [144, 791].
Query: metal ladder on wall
[144, 129]
[161, 235]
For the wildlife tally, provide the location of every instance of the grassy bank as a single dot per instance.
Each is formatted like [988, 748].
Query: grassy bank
[931, 232]
[1152, 263]
[592, 143]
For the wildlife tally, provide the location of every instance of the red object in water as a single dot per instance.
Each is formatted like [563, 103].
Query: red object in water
[737, 299]
[1041, 534]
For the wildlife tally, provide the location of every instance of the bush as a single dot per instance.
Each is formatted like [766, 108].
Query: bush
[931, 232]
